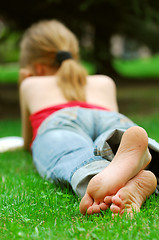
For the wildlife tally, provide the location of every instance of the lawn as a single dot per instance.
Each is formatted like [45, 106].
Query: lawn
[32, 208]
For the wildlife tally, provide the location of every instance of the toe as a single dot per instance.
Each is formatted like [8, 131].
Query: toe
[90, 210]
[117, 200]
[108, 200]
[114, 208]
[85, 203]
[103, 206]
[93, 209]
[96, 208]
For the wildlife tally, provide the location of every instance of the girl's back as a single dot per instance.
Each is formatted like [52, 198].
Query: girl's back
[51, 74]
[41, 92]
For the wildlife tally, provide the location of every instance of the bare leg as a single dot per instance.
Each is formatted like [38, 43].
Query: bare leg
[131, 197]
[132, 156]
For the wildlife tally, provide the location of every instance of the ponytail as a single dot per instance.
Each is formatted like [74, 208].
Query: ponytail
[72, 80]
[53, 44]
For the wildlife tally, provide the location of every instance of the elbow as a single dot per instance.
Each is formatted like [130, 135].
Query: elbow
[27, 147]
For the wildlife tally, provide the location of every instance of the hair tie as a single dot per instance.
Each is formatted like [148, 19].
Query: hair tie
[62, 56]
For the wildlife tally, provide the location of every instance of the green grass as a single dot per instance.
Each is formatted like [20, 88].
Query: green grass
[32, 208]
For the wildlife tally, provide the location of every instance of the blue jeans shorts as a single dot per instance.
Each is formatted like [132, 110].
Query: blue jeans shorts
[74, 144]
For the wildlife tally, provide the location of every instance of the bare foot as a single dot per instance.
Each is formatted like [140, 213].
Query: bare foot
[131, 197]
[132, 156]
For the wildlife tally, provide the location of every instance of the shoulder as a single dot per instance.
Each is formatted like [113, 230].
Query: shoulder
[102, 81]
[35, 82]
[27, 82]
[28, 88]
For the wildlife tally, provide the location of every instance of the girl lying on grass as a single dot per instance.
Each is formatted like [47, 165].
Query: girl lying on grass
[72, 124]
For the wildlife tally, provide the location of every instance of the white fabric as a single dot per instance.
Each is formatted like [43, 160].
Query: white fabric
[11, 143]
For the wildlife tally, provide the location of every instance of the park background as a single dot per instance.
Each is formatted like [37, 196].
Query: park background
[117, 38]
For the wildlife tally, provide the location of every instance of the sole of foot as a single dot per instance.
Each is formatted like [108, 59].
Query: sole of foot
[132, 157]
[130, 198]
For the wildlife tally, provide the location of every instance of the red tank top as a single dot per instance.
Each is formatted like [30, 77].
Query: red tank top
[38, 117]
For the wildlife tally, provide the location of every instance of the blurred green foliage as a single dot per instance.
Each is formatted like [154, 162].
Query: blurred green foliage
[9, 45]
[9, 72]
[96, 21]
[140, 68]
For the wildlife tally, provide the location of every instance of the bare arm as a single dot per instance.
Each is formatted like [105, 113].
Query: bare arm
[102, 91]
[112, 95]
[26, 126]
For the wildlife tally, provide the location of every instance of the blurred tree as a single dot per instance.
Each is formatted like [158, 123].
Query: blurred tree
[91, 19]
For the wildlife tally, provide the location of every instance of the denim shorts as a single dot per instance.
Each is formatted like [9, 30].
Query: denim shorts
[74, 144]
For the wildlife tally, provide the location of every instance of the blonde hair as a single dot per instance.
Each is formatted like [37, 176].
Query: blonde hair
[41, 43]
